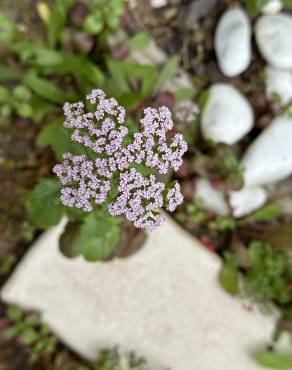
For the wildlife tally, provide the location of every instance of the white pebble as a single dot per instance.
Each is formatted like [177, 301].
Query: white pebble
[211, 198]
[227, 116]
[273, 35]
[272, 7]
[269, 158]
[279, 82]
[247, 200]
[158, 3]
[233, 42]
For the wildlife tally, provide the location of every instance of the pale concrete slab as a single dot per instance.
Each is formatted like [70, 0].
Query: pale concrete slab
[163, 302]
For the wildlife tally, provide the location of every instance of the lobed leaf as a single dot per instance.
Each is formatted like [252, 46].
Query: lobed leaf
[44, 205]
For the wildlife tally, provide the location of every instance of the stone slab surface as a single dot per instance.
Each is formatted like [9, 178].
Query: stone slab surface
[163, 302]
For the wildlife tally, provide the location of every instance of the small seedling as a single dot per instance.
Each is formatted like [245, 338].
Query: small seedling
[31, 332]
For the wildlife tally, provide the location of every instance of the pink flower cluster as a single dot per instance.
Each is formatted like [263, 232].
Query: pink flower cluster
[88, 186]
[119, 162]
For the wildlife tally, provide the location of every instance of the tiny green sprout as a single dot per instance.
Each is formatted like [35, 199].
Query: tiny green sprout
[268, 276]
[18, 100]
[8, 29]
[137, 362]
[104, 14]
[228, 276]
[6, 262]
[195, 211]
[233, 168]
[114, 359]
[274, 360]
[229, 168]
[31, 332]
[267, 213]
[223, 224]
[109, 359]
[276, 98]
[255, 6]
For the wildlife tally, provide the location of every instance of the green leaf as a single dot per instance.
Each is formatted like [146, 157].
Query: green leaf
[14, 313]
[184, 94]
[7, 29]
[287, 3]
[84, 71]
[57, 22]
[22, 93]
[112, 21]
[46, 89]
[229, 275]
[55, 135]
[44, 205]
[24, 110]
[139, 41]
[40, 108]
[32, 320]
[5, 111]
[29, 336]
[148, 83]
[223, 223]
[203, 100]
[48, 58]
[25, 49]
[118, 6]
[4, 94]
[9, 74]
[104, 230]
[267, 213]
[11, 332]
[117, 74]
[69, 242]
[147, 74]
[92, 73]
[98, 249]
[130, 100]
[97, 236]
[75, 214]
[93, 24]
[167, 72]
[274, 360]
[254, 6]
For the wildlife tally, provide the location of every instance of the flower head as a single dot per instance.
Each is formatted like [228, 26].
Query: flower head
[138, 197]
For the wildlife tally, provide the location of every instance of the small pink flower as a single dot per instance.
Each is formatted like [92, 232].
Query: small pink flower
[86, 183]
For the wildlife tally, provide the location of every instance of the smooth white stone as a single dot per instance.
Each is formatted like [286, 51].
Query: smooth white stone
[269, 158]
[233, 42]
[164, 302]
[158, 3]
[280, 82]
[212, 199]
[227, 116]
[247, 200]
[272, 7]
[273, 35]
